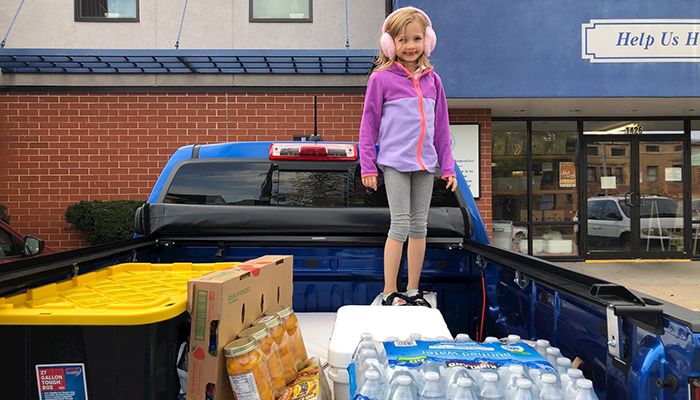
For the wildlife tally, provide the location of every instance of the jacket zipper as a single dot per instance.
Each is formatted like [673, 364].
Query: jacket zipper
[421, 112]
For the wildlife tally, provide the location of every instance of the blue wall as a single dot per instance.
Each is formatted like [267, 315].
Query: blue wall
[516, 48]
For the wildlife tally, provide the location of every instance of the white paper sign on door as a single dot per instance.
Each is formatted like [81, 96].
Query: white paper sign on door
[608, 182]
[465, 148]
[673, 174]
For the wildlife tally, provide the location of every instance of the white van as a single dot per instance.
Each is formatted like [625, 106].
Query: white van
[661, 218]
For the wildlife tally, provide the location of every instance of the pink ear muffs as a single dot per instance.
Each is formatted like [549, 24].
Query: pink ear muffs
[387, 42]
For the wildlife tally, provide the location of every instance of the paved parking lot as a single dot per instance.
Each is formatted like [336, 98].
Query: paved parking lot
[676, 282]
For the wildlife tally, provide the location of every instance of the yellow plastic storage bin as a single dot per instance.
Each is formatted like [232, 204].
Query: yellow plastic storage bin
[118, 329]
[124, 294]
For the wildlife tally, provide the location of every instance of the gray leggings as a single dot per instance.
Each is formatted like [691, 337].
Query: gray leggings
[409, 196]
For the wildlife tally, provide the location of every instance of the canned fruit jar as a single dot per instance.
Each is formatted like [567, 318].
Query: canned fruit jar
[248, 374]
[282, 345]
[266, 344]
[291, 325]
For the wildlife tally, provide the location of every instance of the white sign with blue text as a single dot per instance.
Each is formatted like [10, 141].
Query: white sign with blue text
[465, 148]
[640, 40]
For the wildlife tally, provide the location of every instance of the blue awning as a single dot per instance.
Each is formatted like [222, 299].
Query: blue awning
[116, 61]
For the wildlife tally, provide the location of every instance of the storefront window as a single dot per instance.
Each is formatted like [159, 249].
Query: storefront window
[555, 240]
[554, 153]
[695, 183]
[509, 180]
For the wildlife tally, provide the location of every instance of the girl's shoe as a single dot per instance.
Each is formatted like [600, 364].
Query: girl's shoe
[396, 299]
[419, 300]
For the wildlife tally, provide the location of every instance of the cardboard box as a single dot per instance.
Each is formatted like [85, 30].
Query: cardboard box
[536, 215]
[554, 215]
[222, 304]
[558, 246]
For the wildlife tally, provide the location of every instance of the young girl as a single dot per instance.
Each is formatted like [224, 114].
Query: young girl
[405, 112]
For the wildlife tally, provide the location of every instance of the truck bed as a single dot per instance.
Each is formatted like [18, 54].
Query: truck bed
[567, 308]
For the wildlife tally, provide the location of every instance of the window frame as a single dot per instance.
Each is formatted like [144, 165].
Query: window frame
[79, 18]
[282, 20]
[654, 168]
[14, 250]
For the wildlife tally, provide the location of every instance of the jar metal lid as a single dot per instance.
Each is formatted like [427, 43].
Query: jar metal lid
[271, 321]
[281, 311]
[257, 332]
[240, 346]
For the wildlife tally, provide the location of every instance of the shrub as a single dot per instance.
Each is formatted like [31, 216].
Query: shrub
[103, 221]
[4, 215]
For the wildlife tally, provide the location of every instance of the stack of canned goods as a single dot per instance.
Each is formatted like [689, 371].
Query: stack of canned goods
[266, 356]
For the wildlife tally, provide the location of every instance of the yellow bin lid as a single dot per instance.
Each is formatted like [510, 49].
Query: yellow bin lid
[124, 294]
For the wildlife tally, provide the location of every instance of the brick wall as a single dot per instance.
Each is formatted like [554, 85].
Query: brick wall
[58, 149]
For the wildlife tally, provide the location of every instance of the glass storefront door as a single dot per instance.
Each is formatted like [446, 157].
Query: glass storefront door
[634, 197]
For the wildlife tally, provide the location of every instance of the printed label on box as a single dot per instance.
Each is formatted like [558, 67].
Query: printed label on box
[61, 382]
[470, 354]
[200, 313]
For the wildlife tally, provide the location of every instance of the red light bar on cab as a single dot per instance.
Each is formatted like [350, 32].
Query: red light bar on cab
[318, 152]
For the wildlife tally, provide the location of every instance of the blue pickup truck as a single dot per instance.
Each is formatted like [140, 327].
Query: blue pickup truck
[237, 201]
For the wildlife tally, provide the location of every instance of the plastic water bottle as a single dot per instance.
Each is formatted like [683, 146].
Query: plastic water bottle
[536, 376]
[585, 390]
[491, 339]
[372, 364]
[398, 372]
[503, 374]
[523, 391]
[563, 365]
[550, 388]
[463, 337]
[436, 367]
[513, 339]
[433, 389]
[363, 355]
[517, 372]
[569, 383]
[541, 347]
[491, 390]
[429, 367]
[454, 374]
[366, 341]
[552, 354]
[405, 390]
[372, 386]
[464, 390]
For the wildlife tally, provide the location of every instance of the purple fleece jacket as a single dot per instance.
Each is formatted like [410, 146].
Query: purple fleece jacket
[413, 135]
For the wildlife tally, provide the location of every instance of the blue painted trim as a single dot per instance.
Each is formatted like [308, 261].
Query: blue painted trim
[121, 61]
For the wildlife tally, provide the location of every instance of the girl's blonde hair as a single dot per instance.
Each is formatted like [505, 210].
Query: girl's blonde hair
[395, 27]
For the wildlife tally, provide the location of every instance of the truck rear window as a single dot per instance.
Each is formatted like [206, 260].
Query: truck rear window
[292, 184]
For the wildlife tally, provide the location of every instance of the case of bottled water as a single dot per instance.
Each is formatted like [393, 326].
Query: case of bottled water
[383, 323]
[419, 368]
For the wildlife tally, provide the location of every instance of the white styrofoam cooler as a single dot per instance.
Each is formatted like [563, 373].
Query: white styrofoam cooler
[381, 322]
[316, 329]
